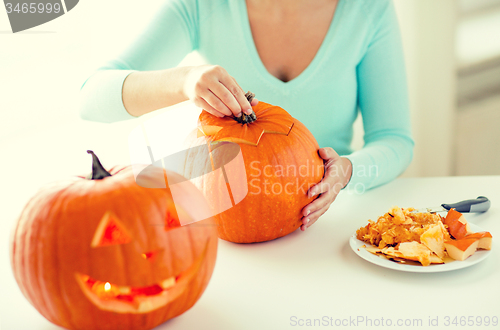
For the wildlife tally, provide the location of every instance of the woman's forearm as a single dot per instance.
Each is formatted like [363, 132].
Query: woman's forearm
[146, 91]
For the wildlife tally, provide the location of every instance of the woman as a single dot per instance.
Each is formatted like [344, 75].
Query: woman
[320, 60]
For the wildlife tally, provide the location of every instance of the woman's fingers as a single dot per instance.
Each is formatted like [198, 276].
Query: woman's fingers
[242, 100]
[218, 89]
[216, 103]
[311, 219]
[228, 96]
[328, 154]
[338, 171]
[330, 181]
[318, 204]
[201, 103]
[323, 200]
[227, 90]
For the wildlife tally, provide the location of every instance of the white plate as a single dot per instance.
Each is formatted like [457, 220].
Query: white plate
[480, 255]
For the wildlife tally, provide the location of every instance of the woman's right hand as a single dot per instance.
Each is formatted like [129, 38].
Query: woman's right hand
[210, 87]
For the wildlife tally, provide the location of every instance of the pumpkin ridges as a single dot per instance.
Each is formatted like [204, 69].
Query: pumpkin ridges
[218, 223]
[30, 219]
[307, 144]
[187, 300]
[171, 312]
[313, 145]
[147, 241]
[171, 267]
[275, 149]
[54, 249]
[89, 202]
[181, 300]
[19, 266]
[51, 308]
[79, 189]
[139, 236]
[187, 297]
[204, 280]
[179, 307]
[16, 260]
[91, 211]
[258, 231]
[210, 162]
[252, 228]
[147, 238]
[282, 225]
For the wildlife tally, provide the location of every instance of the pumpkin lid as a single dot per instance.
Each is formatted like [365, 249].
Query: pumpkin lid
[269, 119]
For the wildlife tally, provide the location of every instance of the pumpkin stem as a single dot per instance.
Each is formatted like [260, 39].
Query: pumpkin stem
[247, 119]
[98, 171]
[250, 96]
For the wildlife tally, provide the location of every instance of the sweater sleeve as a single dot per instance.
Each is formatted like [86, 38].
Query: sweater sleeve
[170, 36]
[384, 106]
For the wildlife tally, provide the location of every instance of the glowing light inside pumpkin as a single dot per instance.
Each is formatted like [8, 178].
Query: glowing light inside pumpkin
[105, 290]
[108, 291]
[110, 232]
[149, 255]
[139, 299]
[114, 235]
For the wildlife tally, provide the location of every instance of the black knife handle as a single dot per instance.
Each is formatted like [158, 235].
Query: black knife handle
[478, 205]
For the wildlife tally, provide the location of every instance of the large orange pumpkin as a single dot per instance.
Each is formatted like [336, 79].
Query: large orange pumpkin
[281, 162]
[109, 253]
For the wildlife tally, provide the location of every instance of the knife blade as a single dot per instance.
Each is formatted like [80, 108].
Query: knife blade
[478, 205]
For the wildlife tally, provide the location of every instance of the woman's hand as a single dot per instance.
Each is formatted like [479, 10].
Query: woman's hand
[210, 87]
[338, 171]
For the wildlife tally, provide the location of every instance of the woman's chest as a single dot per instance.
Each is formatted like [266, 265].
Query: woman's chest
[311, 62]
[288, 43]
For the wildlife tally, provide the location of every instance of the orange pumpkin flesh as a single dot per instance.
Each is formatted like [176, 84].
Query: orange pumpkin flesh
[457, 225]
[465, 243]
[105, 253]
[485, 239]
[281, 163]
[461, 249]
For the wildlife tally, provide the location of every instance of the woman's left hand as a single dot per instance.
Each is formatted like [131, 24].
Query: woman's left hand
[338, 171]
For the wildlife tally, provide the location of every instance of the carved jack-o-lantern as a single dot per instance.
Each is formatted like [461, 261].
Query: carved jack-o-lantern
[108, 253]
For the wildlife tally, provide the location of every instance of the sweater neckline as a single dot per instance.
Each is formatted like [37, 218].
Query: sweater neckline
[309, 70]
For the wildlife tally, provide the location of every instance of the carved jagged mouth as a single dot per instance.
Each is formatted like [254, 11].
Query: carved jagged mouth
[127, 299]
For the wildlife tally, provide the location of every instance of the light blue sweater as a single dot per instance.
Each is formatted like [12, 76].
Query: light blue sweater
[359, 67]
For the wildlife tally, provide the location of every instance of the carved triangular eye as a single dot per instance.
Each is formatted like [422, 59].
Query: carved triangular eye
[171, 221]
[110, 231]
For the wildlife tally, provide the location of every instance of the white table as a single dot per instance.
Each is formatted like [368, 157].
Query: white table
[307, 275]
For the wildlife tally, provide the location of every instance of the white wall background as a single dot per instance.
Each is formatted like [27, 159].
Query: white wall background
[41, 71]
[428, 31]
